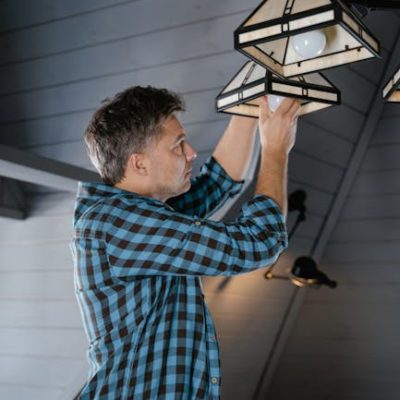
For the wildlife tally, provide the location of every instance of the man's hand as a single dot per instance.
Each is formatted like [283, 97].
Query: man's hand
[277, 136]
[278, 129]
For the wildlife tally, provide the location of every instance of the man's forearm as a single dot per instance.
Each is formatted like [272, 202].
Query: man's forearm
[278, 134]
[272, 177]
[235, 148]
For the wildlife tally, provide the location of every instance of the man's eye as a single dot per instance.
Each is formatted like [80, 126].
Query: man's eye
[180, 147]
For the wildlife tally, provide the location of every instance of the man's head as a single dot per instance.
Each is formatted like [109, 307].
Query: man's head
[136, 142]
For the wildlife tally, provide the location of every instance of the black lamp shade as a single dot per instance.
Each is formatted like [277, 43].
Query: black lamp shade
[243, 93]
[266, 36]
[305, 273]
[391, 91]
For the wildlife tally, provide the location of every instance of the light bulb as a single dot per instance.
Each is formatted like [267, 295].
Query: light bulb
[309, 44]
[274, 101]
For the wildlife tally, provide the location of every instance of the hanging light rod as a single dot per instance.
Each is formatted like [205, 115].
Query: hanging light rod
[376, 4]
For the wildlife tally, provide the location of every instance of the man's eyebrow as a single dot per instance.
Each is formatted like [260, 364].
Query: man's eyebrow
[178, 138]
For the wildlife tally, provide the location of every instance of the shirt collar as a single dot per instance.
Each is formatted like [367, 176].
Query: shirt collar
[96, 190]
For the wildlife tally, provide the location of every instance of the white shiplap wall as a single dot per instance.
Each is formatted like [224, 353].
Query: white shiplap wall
[58, 61]
[42, 343]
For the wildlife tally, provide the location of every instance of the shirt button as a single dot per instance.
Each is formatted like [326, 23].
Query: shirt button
[214, 380]
[197, 223]
[212, 337]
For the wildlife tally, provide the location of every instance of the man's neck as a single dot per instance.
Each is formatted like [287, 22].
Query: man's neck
[138, 190]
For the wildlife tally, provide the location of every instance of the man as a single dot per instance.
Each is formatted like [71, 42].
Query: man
[142, 240]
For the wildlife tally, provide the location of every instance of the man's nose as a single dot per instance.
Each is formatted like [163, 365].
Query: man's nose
[190, 152]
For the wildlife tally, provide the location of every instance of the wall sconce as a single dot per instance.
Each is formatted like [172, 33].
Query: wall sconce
[304, 272]
[391, 91]
[243, 93]
[297, 37]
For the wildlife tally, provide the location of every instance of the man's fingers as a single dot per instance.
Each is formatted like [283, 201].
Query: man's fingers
[294, 108]
[288, 106]
[285, 105]
[264, 109]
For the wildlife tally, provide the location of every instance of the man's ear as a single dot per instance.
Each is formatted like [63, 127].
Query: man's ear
[138, 164]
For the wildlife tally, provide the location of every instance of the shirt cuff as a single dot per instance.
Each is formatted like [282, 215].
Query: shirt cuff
[217, 173]
[266, 212]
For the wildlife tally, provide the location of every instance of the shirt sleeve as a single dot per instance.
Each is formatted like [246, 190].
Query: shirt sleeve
[208, 191]
[154, 240]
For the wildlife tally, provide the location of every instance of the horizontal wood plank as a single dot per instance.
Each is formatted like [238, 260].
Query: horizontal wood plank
[385, 133]
[375, 251]
[382, 157]
[44, 12]
[376, 207]
[42, 343]
[343, 121]
[44, 286]
[355, 89]
[135, 18]
[371, 230]
[132, 54]
[376, 183]
[40, 315]
[18, 392]
[39, 372]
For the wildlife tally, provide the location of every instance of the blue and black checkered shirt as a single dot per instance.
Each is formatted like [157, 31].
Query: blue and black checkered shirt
[137, 263]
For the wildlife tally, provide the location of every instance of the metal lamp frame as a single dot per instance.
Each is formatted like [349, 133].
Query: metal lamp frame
[241, 100]
[391, 91]
[336, 13]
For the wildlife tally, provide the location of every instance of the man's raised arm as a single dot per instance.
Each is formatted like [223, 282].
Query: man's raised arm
[235, 147]
[277, 137]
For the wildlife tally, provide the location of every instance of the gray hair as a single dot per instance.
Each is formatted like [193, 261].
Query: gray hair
[125, 125]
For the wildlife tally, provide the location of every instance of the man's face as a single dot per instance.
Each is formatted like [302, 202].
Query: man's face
[171, 159]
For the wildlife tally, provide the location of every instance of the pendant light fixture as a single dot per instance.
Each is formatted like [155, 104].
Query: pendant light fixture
[243, 93]
[391, 91]
[294, 37]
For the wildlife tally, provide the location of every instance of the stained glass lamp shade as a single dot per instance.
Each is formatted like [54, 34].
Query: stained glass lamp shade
[269, 36]
[243, 93]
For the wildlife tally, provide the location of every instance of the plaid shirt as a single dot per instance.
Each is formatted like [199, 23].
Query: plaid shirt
[137, 263]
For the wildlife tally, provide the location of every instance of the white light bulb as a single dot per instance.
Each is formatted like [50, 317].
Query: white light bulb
[309, 44]
[274, 102]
